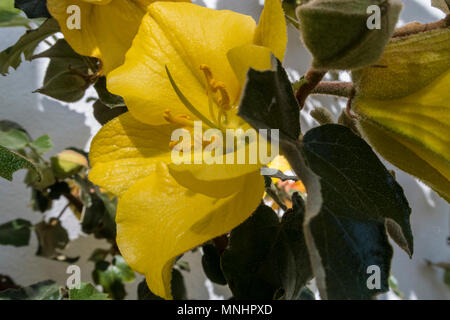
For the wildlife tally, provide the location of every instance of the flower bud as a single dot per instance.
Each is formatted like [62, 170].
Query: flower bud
[347, 35]
[68, 163]
[403, 106]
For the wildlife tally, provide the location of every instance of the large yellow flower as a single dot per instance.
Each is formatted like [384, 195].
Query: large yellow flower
[107, 26]
[405, 106]
[167, 209]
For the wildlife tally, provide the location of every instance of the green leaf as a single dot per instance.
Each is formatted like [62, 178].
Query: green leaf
[15, 233]
[14, 139]
[11, 161]
[104, 114]
[33, 8]
[266, 255]
[42, 144]
[45, 290]
[112, 276]
[10, 16]
[268, 102]
[107, 98]
[178, 288]
[211, 264]
[86, 292]
[393, 284]
[26, 45]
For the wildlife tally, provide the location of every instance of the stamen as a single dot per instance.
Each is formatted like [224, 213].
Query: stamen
[214, 86]
[182, 120]
[224, 101]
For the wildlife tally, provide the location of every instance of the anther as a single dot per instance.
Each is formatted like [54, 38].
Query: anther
[182, 120]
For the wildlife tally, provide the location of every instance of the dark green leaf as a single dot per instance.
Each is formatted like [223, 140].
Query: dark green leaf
[266, 255]
[7, 125]
[45, 290]
[7, 283]
[107, 98]
[11, 161]
[306, 294]
[15, 233]
[40, 201]
[33, 8]
[26, 45]
[362, 187]
[98, 218]
[52, 238]
[211, 264]
[348, 247]
[65, 86]
[178, 288]
[268, 102]
[99, 255]
[104, 114]
[86, 292]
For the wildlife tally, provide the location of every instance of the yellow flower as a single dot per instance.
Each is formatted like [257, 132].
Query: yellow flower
[405, 106]
[107, 27]
[166, 209]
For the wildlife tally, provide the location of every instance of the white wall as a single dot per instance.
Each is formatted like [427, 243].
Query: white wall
[74, 126]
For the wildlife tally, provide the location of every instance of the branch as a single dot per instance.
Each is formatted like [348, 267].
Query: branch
[334, 88]
[416, 27]
[310, 81]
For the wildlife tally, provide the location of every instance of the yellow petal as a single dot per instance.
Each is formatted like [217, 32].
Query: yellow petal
[157, 220]
[182, 36]
[126, 150]
[249, 56]
[272, 31]
[107, 27]
[420, 122]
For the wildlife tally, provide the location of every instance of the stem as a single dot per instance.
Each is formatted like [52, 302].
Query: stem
[74, 201]
[62, 212]
[311, 80]
[334, 88]
[415, 27]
